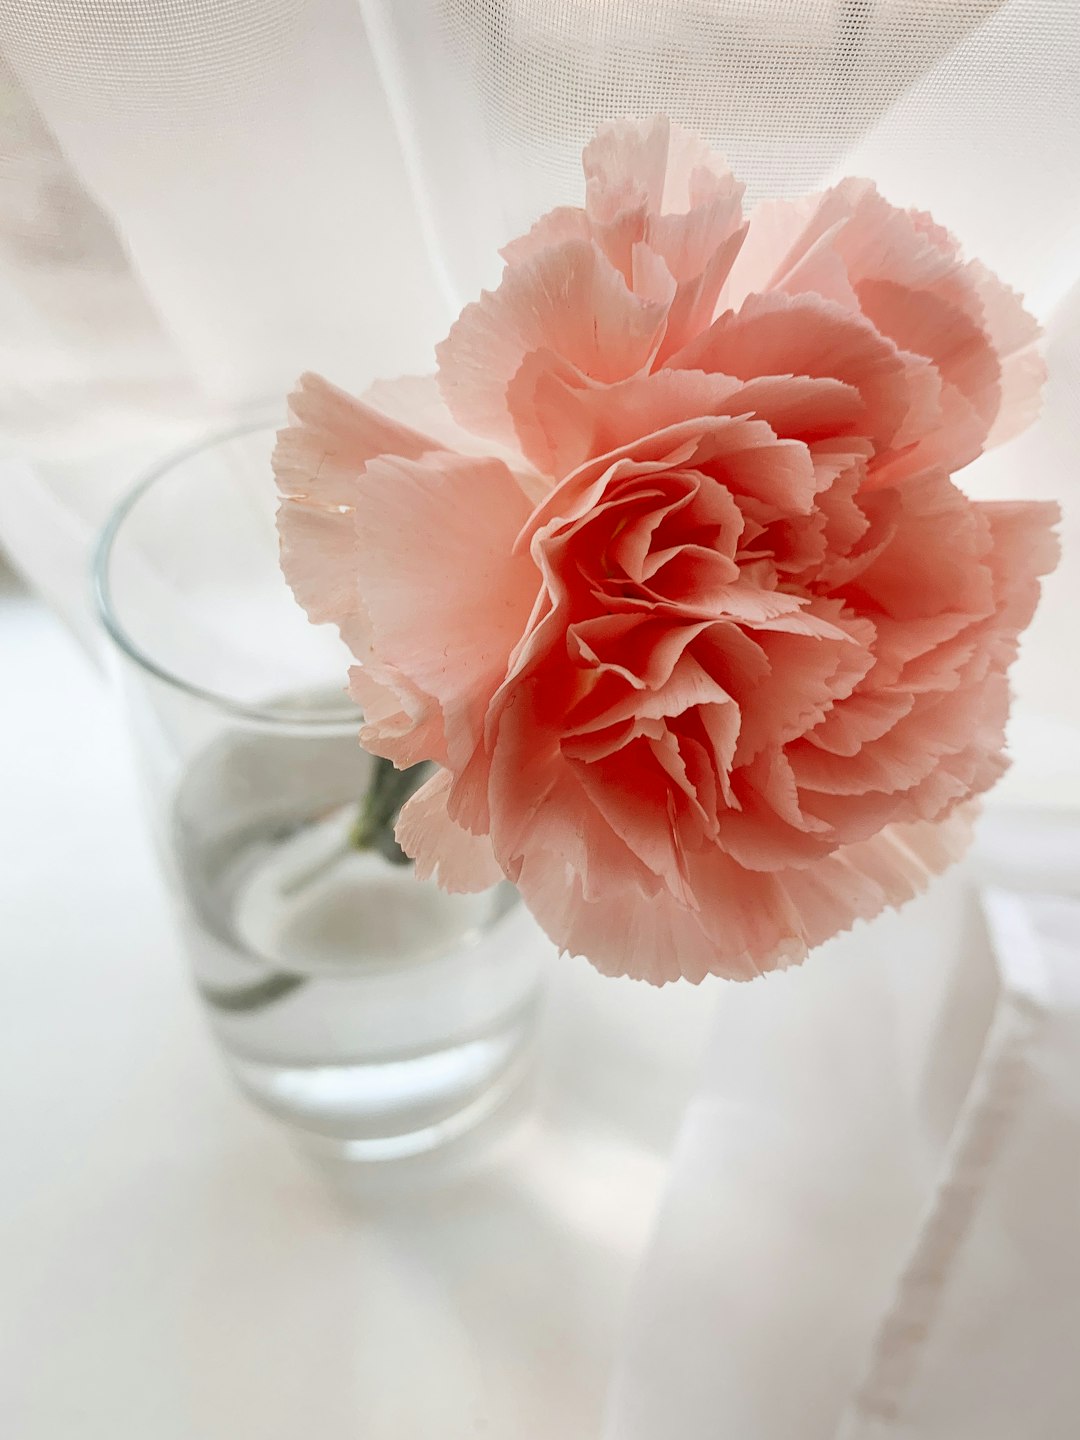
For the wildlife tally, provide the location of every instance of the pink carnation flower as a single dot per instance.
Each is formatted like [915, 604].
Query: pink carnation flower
[673, 582]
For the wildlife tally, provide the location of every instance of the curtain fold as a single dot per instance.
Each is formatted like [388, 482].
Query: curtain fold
[197, 202]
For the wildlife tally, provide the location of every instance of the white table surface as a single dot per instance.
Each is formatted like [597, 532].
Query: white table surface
[171, 1268]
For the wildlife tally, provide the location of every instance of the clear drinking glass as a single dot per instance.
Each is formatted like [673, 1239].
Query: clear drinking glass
[377, 1015]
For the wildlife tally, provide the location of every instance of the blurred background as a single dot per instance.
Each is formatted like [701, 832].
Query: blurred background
[198, 201]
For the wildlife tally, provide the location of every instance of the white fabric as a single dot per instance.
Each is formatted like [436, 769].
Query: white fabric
[786, 89]
[197, 202]
[869, 1230]
[201, 199]
[893, 1260]
[999, 1236]
[171, 1269]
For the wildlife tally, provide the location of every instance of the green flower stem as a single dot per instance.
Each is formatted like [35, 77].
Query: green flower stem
[387, 793]
[252, 997]
[372, 830]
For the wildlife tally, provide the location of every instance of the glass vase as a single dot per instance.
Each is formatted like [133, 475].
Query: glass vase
[375, 1014]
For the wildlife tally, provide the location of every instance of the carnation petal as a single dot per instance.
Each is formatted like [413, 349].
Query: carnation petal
[565, 222]
[776, 334]
[808, 674]
[566, 299]
[441, 849]
[1014, 334]
[686, 604]
[320, 455]
[401, 722]
[672, 168]
[579, 423]
[844, 242]
[623, 932]
[318, 461]
[576, 423]
[864, 716]
[774, 229]
[319, 559]
[861, 880]
[754, 922]
[932, 560]
[417, 398]
[693, 303]
[435, 546]
[745, 455]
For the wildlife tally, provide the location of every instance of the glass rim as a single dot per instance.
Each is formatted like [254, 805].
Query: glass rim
[107, 613]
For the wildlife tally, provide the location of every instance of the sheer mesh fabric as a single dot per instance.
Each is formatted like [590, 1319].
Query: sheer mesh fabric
[200, 198]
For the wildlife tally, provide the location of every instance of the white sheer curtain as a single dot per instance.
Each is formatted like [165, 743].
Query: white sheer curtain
[200, 200]
[494, 99]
